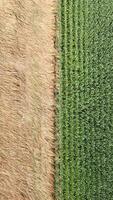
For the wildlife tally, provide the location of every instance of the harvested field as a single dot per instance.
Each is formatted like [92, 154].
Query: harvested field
[85, 101]
[27, 99]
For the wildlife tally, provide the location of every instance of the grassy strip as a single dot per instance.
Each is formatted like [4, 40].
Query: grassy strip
[85, 100]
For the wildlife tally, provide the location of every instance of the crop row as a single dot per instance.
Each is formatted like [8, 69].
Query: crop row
[85, 100]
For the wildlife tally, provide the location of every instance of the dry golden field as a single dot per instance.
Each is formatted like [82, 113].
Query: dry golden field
[27, 99]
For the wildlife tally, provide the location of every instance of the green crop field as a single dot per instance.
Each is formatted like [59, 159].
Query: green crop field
[85, 101]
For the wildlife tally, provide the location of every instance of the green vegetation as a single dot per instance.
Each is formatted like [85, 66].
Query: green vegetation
[85, 101]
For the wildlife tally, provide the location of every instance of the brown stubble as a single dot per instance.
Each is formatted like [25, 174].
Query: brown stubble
[27, 81]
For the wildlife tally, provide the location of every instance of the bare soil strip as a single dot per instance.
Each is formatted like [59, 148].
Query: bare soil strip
[27, 79]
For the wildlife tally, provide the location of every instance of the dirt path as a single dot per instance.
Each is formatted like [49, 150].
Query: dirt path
[26, 99]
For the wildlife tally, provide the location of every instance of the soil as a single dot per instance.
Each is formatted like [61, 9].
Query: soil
[27, 80]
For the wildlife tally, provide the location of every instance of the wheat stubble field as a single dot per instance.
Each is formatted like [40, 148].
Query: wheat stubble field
[26, 99]
[56, 115]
